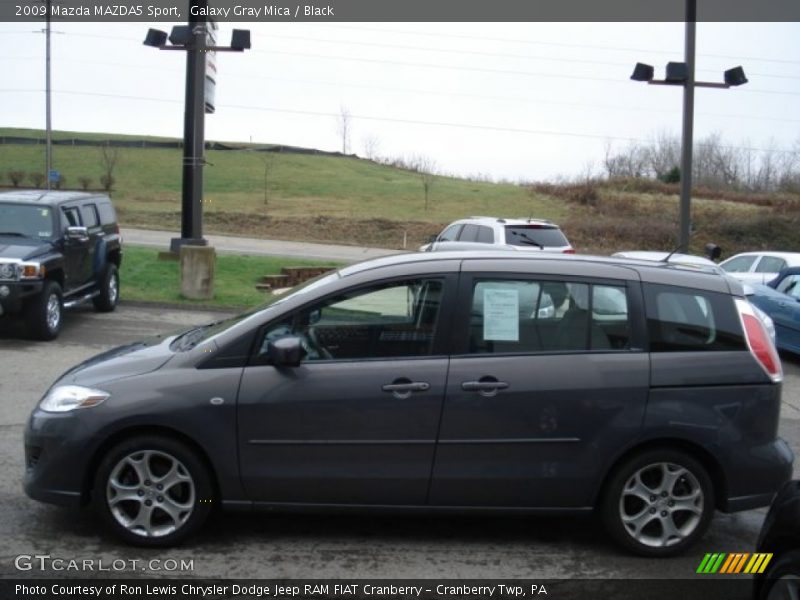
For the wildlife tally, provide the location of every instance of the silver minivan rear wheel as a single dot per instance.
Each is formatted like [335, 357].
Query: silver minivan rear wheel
[658, 502]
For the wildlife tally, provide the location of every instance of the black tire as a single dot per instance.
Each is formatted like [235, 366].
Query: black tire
[782, 578]
[668, 512]
[44, 313]
[189, 501]
[108, 286]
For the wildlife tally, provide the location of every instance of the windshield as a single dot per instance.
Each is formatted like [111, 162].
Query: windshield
[26, 220]
[190, 338]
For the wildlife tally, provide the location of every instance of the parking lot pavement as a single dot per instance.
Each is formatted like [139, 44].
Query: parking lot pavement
[277, 546]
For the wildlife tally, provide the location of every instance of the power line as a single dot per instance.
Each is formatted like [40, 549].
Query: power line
[484, 70]
[447, 124]
[488, 54]
[541, 43]
[435, 92]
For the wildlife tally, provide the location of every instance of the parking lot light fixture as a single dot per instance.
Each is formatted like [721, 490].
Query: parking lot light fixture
[643, 72]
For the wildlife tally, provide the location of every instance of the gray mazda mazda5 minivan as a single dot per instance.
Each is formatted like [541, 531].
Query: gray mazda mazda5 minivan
[469, 382]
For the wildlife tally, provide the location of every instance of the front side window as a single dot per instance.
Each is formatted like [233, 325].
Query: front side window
[790, 285]
[681, 319]
[450, 234]
[388, 321]
[740, 264]
[528, 316]
[72, 217]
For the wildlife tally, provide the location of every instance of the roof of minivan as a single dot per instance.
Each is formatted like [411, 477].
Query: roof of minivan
[47, 197]
[644, 270]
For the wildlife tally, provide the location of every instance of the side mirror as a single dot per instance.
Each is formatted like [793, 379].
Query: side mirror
[286, 351]
[78, 234]
[432, 239]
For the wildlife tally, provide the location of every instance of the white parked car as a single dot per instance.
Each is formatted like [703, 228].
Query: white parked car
[759, 267]
[475, 233]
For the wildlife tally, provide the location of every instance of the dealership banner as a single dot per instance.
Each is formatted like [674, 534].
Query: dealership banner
[399, 10]
[377, 589]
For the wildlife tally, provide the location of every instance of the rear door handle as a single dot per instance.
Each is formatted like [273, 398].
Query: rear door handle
[402, 388]
[485, 388]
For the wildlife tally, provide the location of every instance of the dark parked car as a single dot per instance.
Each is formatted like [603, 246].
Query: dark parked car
[57, 250]
[780, 299]
[480, 381]
[780, 535]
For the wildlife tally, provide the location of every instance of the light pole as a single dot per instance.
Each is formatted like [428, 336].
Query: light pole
[193, 40]
[48, 152]
[683, 74]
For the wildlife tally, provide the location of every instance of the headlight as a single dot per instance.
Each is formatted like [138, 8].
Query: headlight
[8, 271]
[64, 398]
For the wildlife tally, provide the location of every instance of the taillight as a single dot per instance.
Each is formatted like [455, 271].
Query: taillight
[758, 340]
[569, 251]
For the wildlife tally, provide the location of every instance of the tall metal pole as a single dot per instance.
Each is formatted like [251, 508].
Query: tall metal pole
[48, 123]
[194, 134]
[688, 128]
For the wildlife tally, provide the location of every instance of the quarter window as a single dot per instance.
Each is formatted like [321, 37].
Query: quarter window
[687, 320]
[528, 316]
[389, 321]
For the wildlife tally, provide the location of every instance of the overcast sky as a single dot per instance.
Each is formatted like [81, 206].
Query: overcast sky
[527, 101]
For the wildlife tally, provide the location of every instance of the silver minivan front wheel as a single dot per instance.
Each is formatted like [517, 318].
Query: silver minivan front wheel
[153, 490]
[658, 502]
[150, 493]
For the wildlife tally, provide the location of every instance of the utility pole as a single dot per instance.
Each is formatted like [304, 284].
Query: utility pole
[48, 123]
[194, 133]
[688, 127]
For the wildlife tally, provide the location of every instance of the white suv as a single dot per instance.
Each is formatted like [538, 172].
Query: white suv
[474, 233]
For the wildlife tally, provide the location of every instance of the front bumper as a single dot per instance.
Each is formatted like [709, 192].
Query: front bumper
[57, 458]
[14, 293]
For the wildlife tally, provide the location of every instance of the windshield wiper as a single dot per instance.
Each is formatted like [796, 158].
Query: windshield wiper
[531, 241]
[13, 233]
[188, 339]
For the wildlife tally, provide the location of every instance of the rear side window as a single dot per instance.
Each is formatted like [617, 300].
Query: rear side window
[90, 218]
[107, 214]
[535, 235]
[469, 233]
[485, 235]
[770, 264]
[684, 319]
[528, 316]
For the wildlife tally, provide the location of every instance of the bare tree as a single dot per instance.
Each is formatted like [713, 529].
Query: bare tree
[426, 168]
[343, 124]
[372, 146]
[109, 158]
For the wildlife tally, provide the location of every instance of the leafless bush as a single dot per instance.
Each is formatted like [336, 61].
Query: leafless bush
[36, 178]
[16, 177]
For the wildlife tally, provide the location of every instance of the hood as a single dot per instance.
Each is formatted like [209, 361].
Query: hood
[125, 361]
[23, 248]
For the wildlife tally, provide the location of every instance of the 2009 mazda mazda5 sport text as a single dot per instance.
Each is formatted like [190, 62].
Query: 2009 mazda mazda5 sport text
[440, 381]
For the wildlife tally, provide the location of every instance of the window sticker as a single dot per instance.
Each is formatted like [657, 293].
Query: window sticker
[501, 315]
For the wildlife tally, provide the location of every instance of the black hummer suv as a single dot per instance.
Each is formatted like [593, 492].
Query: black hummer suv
[57, 250]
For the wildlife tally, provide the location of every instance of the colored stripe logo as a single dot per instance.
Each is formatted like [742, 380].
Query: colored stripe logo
[734, 563]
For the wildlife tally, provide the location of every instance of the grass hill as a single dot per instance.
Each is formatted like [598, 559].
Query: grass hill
[351, 200]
